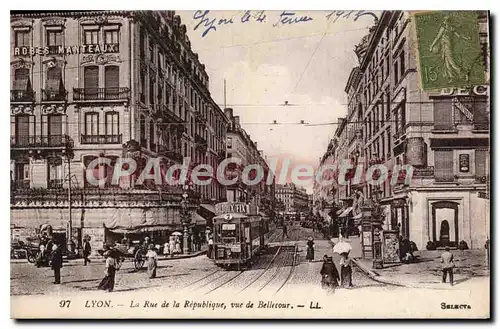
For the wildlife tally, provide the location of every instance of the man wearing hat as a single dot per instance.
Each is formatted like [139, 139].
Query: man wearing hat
[86, 250]
[56, 261]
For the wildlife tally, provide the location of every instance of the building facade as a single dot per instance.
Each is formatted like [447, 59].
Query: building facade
[106, 84]
[293, 197]
[239, 145]
[443, 136]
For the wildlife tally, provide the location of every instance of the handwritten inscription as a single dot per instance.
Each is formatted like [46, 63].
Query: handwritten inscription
[206, 22]
[350, 14]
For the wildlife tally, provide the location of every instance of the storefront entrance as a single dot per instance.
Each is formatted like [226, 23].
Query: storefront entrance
[445, 223]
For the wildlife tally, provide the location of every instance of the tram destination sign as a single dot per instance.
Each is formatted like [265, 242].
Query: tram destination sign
[231, 207]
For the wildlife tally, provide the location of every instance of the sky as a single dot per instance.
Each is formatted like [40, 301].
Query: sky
[269, 61]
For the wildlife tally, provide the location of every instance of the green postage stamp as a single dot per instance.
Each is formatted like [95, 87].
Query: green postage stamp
[449, 49]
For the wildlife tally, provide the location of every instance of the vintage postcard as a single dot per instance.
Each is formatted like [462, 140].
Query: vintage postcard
[250, 164]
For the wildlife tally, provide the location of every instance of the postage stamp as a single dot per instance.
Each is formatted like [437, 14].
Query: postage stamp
[450, 53]
[249, 164]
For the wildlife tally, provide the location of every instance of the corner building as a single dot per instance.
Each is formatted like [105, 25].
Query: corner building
[107, 84]
[443, 135]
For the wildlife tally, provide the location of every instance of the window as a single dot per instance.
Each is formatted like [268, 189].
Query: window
[91, 124]
[112, 81]
[481, 157]
[151, 87]
[55, 173]
[112, 123]
[389, 146]
[91, 77]
[142, 128]
[91, 37]
[151, 134]
[54, 87]
[22, 175]
[22, 79]
[55, 129]
[23, 126]
[54, 39]
[443, 118]
[22, 38]
[396, 73]
[443, 162]
[151, 51]
[402, 62]
[111, 37]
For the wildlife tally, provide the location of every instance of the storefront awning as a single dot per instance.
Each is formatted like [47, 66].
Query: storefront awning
[198, 219]
[208, 207]
[124, 230]
[346, 212]
[156, 228]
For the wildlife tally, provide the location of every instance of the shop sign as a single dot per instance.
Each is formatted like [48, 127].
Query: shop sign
[423, 172]
[464, 161]
[231, 207]
[70, 50]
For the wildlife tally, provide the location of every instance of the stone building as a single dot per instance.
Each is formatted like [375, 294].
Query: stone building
[293, 197]
[442, 135]
[106, 84]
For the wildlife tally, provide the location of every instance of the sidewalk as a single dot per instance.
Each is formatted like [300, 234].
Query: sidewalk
[100, 259]
[427, 273]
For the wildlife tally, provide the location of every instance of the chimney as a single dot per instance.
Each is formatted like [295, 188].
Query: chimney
[237, 120]
[228, 112]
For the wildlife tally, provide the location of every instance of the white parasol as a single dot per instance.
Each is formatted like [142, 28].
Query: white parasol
[177, 233]
[342, 247]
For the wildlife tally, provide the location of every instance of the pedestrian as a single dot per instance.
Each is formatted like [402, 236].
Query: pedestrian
[87, 249]
[285, 231]
[210, 246]
[166, 248]
[171, 245]
[198, 241]
[42, 256]
[310, 249]
[448, 264]
[329, 274]
[108, 282]
[345, 270]
[56, 261]
[178, 249]
[152, 257]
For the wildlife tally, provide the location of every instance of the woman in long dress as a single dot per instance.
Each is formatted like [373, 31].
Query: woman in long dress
[345, 270]
[171, 245]
[329, 274]
[310, 249]
[178, 249]
[152, 257]
[108, 282]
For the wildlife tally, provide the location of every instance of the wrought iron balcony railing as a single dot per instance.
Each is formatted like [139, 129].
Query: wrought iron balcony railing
[40, 141]
[22, 95]
[100, 94]
[21, 184]
[54, 95]
[55, 184]
[101, 139]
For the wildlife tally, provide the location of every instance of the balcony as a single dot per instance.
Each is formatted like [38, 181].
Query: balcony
[55, 141]
[100, 94]
[54, 95]
[22, 96]
[55, 184]
[171, 154]
[101, 139]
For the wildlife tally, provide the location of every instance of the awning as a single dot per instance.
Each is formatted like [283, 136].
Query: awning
[208, 207]
[124, 230]
[346, 212]
[156, 228]
[358, 216]
[198, 219]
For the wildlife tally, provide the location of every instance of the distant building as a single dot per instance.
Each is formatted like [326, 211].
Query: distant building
[294, 198]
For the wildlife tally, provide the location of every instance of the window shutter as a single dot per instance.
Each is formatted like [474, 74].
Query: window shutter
[112, 77]
[91, 77]
[443, 162]
[54, 76]
[21, 78]
[443, 118]
[55, 125]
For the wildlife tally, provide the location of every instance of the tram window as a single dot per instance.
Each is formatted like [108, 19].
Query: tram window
[229, 230]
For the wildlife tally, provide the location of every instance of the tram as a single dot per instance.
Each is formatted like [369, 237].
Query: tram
[238, 236]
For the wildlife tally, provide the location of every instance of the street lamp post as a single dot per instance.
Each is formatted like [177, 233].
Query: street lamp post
[186, 219]
[377, 222]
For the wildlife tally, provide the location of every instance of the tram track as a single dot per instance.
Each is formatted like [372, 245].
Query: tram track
[268, 265]
[292, 269]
